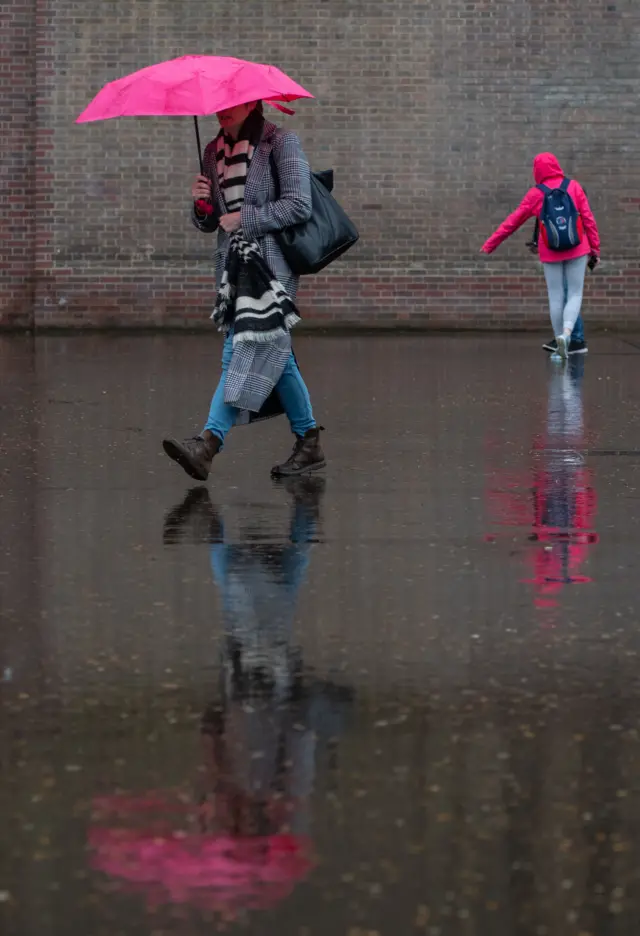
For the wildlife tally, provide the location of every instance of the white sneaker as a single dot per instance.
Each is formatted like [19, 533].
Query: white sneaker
[561, 342]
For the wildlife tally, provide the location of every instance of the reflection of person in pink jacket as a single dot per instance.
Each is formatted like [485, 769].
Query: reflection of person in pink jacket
[564, 270]
[562, 523]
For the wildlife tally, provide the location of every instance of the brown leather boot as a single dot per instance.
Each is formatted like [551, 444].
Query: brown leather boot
[194, 455]
[307, 456]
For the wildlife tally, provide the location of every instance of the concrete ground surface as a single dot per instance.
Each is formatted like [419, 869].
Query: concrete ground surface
[399, 697]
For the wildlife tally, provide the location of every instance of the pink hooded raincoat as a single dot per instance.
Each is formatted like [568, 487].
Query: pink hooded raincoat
[546, 168]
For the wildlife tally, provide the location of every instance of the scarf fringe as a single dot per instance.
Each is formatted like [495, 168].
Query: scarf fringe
[290, 322]
[264, 337]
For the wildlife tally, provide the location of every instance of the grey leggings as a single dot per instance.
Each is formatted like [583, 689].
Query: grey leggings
[565, 278]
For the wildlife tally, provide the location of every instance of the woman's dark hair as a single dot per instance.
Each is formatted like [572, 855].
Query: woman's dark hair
[259, 108]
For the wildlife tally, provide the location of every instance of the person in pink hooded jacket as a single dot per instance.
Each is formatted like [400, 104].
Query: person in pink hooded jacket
[564, 270]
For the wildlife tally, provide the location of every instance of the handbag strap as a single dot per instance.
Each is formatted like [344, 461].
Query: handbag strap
[274, 173]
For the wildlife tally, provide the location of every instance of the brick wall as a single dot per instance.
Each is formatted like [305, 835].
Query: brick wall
[17, 151]
[429, 110]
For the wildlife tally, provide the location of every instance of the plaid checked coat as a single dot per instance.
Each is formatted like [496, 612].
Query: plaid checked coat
[261, 214]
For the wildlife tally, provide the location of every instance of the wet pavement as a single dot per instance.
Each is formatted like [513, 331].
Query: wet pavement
[403, 697]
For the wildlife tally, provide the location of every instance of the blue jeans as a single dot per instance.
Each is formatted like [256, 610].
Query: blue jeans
[291, 389]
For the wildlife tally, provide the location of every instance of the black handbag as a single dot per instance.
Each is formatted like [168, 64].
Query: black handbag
[312, 245]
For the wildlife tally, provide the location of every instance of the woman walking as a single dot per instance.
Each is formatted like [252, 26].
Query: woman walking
[239, 198]
[565, 265]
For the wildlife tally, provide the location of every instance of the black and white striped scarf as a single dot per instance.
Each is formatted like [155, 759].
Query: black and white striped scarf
[250, 300]
[233, 159]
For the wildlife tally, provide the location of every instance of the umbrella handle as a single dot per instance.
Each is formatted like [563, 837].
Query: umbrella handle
[204, 206]
[195, 121]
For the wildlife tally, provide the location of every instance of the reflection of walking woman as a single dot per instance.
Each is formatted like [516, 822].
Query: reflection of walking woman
[258, 580]
[273, 720]
[238, 192]
[564, 271]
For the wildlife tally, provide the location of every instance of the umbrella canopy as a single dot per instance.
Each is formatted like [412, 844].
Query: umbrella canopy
[194, 85]
[213, 872]
[151, 847]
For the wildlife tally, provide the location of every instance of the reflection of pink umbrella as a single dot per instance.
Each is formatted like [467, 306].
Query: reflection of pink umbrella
[194, 85]
[214, 872]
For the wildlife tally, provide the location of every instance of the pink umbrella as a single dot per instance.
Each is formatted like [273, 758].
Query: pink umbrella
[194, 85]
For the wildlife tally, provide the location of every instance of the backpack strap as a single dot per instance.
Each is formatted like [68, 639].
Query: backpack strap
[564, 185]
